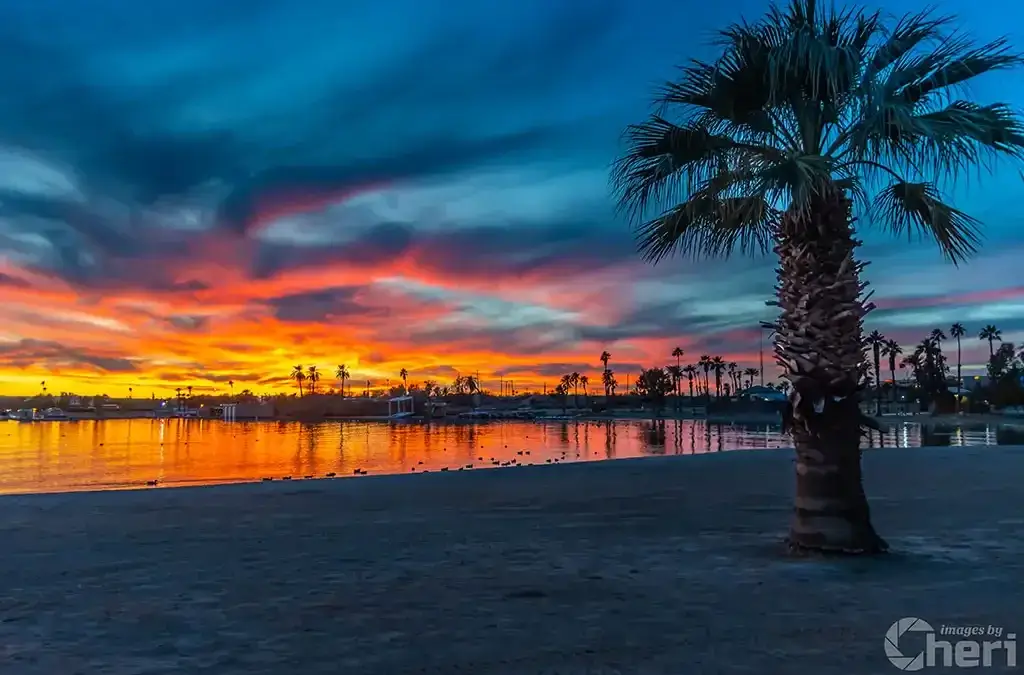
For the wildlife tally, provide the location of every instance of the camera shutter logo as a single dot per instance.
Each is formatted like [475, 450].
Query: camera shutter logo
[892, 641]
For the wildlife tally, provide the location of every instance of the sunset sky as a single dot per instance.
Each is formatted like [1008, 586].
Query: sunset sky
[196, 192]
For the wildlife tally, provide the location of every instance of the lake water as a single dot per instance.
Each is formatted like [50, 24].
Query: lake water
[116, 454]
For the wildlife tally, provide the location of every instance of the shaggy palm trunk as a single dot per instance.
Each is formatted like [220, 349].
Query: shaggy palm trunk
[819, 345]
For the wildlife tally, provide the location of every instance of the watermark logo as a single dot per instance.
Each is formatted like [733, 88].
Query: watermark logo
[965, 646]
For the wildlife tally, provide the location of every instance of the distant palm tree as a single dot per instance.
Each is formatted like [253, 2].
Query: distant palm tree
[312, 377]
[299, 375]
[608, 380]
[877, 341]
[585, 382]
[891, 348]
[957, 331]
[733, 369]
[231, 387]
[705, 363]
[189, 387]
[676, 373]
[605, 358]
[751, 373]
[992, 334]
[678, 353]
[342, 374]
[691, 371]
[718, 365]
[129, 392]
[404, 374]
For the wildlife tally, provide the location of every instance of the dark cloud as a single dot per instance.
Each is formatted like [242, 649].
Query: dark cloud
[188, 323]
[378, 245]
[323, 306]
[14, 282]
[28, 352]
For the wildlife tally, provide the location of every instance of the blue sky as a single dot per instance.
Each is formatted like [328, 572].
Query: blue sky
[201, 191]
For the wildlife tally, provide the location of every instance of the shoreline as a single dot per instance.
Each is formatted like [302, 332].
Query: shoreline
[924, 419]
[626, 566]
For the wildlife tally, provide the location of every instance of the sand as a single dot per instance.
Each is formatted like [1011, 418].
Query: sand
[650, 566]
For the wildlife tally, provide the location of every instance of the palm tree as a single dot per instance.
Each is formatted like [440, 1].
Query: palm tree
[231, 387]
[608, 380]
[877, 341]
[718, 366]
[342, 374]
[404, 374]
[992, 334]
[676, 373]
[751, 373]
[733, 375]
[312, 377]
[691, 371]
[678, 353]
[957, 331]
[705, 363]
[605, 358]
[891, 348]
[805, 114]
[299, 375]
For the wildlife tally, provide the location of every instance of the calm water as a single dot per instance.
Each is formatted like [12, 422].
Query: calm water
[112, 454]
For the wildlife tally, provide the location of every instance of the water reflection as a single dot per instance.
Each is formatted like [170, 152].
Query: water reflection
[53, 456]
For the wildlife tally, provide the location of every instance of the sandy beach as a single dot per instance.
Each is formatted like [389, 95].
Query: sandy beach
[650, 566]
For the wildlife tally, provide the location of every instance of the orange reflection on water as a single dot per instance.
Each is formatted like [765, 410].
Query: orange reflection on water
[113, 454]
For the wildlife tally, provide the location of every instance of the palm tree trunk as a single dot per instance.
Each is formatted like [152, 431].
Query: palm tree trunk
[959, 380]
[819, 344]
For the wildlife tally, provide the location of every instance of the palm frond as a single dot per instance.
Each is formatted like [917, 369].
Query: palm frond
[708, 225]
[994, 127]
[912, 31]
[958, 63]
[909, 208]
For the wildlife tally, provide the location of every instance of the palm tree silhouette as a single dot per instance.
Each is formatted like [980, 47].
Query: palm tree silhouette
[678, 353]
[605, 358]
[891, 348]
[608, 380]
[992, 334]
[957, 331]
[231, 386]
[342, 374]
[312, 377]
[404, 374]
[733, 375]
[705, 363]
[877, 340]
[751, 373]
[718, 365]
[676, 373]
[691, 371]
[299, 375]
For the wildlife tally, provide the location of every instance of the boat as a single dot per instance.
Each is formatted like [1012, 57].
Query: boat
[55, 414]
[28, 415]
